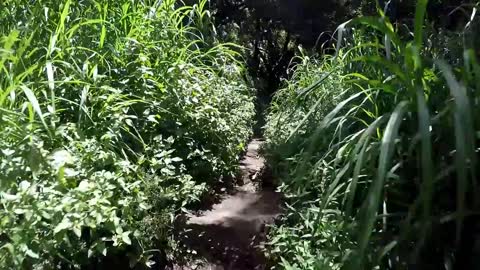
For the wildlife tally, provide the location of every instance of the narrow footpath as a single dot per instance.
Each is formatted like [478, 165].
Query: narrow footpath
[228, 236]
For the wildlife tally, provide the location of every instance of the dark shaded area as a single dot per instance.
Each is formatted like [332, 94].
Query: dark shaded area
[272, 31]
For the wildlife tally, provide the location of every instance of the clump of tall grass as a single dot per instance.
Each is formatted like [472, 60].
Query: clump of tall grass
[379, 154]
[114, 116]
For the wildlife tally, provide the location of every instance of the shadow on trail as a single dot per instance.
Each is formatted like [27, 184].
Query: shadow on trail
[228, 235]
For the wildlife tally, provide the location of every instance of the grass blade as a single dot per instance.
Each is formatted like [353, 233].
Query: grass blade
[419, 17]
[360, 156]
[464, 141]
[375, 193]
[32, 99]
[424, 126]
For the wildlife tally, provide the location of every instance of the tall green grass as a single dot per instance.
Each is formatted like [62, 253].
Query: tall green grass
[114, 116]
[377, 148]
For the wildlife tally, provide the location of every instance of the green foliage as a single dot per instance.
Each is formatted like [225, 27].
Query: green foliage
[378, 148]
[113, 117]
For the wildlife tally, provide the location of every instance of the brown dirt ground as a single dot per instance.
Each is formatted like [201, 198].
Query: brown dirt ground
[227, 236]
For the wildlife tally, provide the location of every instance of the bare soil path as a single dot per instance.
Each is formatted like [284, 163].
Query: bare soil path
[228, 236]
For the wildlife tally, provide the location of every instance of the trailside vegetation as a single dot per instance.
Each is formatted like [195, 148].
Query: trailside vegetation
[376, 148]
[117, 116]
[114, 116]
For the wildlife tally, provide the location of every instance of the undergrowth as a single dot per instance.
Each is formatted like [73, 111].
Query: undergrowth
[114, 116]
[376, 149]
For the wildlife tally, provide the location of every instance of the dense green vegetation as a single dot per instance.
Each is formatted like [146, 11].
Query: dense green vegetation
[117, 116]
[376, 148]
[114, 115]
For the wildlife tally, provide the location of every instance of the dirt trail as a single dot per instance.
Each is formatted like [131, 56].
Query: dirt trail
[227, 236]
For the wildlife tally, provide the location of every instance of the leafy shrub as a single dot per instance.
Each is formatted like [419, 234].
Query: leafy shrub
[113, 117]
[385, 145]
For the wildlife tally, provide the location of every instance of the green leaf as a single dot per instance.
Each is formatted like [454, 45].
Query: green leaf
[36, 106]
[126, 238]
[375, 192]
[465, 156]
[424, 126]
[9, 197]
[32, 254]
[60, 158]
[77, 230]
[50, 77]
[63, 225]
[10, 248]
[359, 154]
[419, 17]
